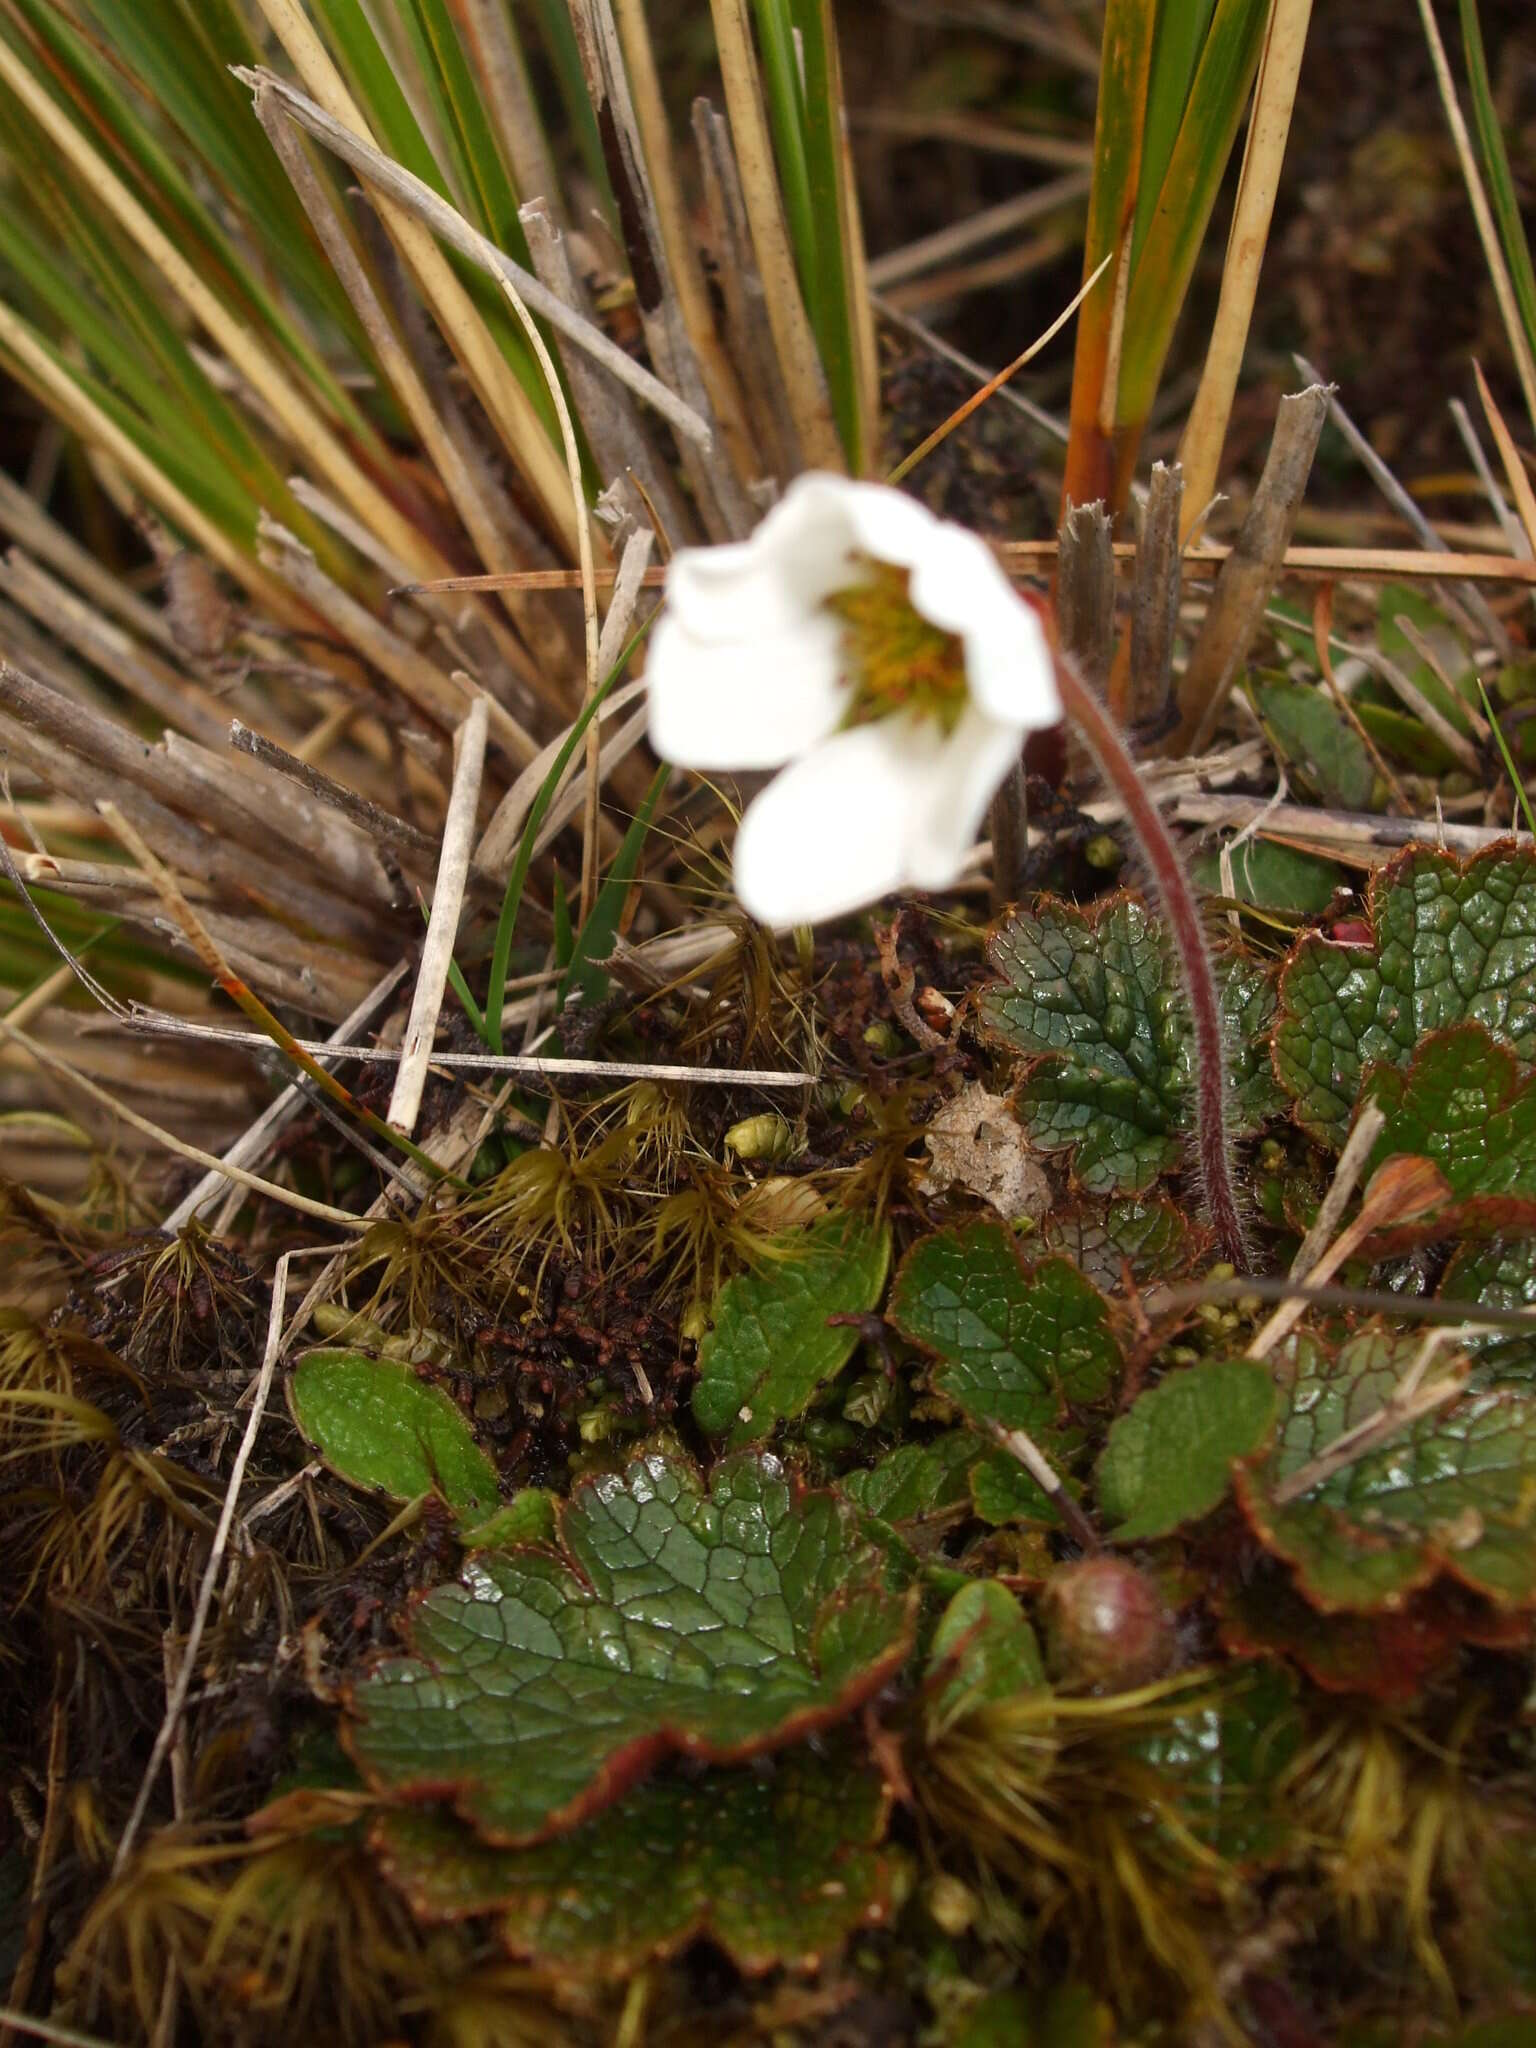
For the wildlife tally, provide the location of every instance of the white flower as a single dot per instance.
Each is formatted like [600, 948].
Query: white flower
[762, 661]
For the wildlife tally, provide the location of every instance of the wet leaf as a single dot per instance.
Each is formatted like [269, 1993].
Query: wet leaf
[1019, 1347]
[1150, 1234]
[1499, 1274]
[1452, 1493]
[719, 1622]
[1094, 998]
[377, 1424]
[1168, 1460]
[917, 1479]
[770, 1347]
[1464, 1104]
[1002, 1491]
[1386, 1657]
[983, 1650]
[1452, 942]
[1248, 1001]
[1317, 742]
[776, 1868]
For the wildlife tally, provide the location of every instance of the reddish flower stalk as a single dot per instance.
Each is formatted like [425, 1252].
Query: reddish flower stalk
[1213, 1146]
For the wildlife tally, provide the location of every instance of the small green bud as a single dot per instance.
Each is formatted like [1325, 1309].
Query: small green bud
[883, 1037]
[826, 1437]
[951, 1904]
[595, 1425]
[1104, 852]
[868, 1399]
[760, 1137]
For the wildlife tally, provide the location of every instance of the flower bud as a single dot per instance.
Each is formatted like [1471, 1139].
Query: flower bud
[1105, 1625]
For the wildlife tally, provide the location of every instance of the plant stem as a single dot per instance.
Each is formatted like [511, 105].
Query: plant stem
[1098, 733]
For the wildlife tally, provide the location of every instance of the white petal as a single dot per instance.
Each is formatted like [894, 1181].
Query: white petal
[753, 703]
[886, 523]
[872, 810]
[959, 584]
[961, 781]
[803, 551]
[830, 833]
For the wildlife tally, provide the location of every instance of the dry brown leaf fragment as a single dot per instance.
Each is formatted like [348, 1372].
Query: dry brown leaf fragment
[975, 1143]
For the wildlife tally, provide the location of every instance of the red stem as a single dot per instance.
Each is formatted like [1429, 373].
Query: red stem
[1099, 735]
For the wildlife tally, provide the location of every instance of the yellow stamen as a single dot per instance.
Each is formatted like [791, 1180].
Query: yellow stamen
[896, 660]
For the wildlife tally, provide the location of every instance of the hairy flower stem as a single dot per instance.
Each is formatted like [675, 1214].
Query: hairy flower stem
[1214, 1149]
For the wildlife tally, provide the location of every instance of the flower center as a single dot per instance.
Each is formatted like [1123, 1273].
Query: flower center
[896, 660]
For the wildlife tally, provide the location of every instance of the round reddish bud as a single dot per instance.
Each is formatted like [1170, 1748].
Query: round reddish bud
[1106, 1626]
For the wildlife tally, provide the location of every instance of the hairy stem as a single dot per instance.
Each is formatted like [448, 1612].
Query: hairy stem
[1214, 1150]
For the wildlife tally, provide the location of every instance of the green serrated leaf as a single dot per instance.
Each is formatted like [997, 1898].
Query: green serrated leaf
[1154, 1237]
[1169, 1459]
[1096, 996]
[770, 1347]
[1317, 742]
[1248, 1001]
[1388, 1657]
[1019, 1347]
[721, 1623]
[1499, 1274]
[916, 1479]
[376, 1424]
[1452, 942]
[1453, 1493]
[983, 1650]
[1002, 1491]
[776, 1868]
[1463, 1103]
[1095, 999]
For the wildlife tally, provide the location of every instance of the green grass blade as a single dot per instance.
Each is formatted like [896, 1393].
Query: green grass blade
[1501, 185]
[371, 77]
[786, 117]
[1118, 140]
[559, 40]
[1180, 38]
[565, 936]
[373, 80]
[512, 901]
[1160, 279]
[72, 69]
[181, 57]
[594, 942]
[471, 1008]
[829, 293]
[465, 124]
